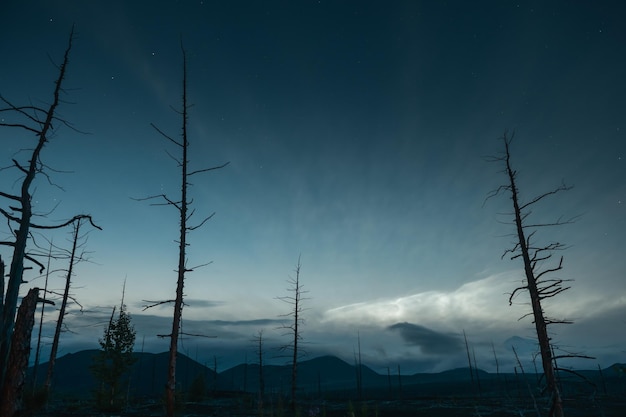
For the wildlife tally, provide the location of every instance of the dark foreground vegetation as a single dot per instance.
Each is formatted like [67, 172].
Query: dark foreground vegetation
[245, 405]
[328, 388]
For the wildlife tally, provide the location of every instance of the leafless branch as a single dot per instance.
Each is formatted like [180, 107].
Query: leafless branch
[175, 142]
[198, 335]
[495, 193]
[155, 303]
[549, 294]
[540, 197]
[571, 371]
[70, 297]
[206, 219]
[558, 222]
[207, 169]
[9, 196]
[72, 220]
[19, 166]
[514, 293]
[9, 216]
[178, 162]
[26, 256]
[168, 201]
[198, 266]
[550, 270]
[23, 126]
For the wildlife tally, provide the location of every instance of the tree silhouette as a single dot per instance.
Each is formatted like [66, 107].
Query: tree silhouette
[40, 121]
[293, 328]
[539, 284]
[10, 394]
[114, 359]
[182, 207]
[75, 255]
[258, 341]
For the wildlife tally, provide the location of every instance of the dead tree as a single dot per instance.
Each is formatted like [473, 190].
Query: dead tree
[469, 360]
[18, 357]
[293, 329]
[358, 364]
[40, 121]
[41, 316]
[76, 255]
[258, 340]
[182, 207]
[538, 283]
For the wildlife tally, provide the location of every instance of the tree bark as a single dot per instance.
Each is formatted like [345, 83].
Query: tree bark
[535, 298]
[185, 214]
[16, 271]
[18, 356]
[170, 392]
[66, 293]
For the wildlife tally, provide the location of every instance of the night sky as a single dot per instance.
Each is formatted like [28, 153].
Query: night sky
[357, 134]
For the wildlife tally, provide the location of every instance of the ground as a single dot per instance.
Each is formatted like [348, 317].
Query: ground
[440, 407]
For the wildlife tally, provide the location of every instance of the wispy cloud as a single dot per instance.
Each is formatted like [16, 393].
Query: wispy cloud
[483, 301]
[421, 331]
[481, 305]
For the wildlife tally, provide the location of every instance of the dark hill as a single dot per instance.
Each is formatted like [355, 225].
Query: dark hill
[321, 374]
[325, 376]
[72, 374]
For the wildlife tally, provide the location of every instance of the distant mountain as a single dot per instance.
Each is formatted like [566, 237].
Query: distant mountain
[324, 376]
[460, 374]
[319, 374]
[72, 373]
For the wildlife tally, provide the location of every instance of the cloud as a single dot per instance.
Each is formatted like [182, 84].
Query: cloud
[429, 341]
[386, 329]
[255, 322]
[481, 304]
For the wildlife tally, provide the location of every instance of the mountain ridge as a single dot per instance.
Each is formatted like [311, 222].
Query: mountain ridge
[324, 374]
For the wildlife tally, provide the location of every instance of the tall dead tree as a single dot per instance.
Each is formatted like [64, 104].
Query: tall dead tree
[18, 357]
[42, 122]
[538, 282]
[182, 207]
[293, 329]
[258, 340]
[358, 365]
[75, 255]
[469, 360]
[41, 316]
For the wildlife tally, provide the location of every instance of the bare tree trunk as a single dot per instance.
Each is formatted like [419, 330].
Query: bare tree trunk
[170, 391]
[359, 371]
[296, 337]
[399, 383]
[182, 206]
[66, 293]
[39, 121]
[535, 258]
[495, 357]
[43, 307]
[480, 390]
[2, 266]
[293, 329]
[16, 271]
[18, 357]
[469, 360]
[535, 299]
[259, 340]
